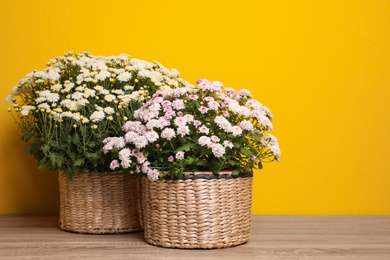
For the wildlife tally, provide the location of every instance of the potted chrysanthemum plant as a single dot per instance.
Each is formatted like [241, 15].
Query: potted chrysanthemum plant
[198, 147]
[65, 111]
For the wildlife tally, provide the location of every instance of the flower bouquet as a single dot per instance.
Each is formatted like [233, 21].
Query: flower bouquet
[198, 147]
[191, 129]
[65, 111]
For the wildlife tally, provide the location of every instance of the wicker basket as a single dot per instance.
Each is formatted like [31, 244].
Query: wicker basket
[199, 211]
[101, 203]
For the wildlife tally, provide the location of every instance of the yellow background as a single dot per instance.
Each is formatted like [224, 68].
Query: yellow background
[322, 67]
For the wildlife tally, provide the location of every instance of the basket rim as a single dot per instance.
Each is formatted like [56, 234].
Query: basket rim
[209, 175]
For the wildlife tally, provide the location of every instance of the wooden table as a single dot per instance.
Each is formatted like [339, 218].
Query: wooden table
[273, 237]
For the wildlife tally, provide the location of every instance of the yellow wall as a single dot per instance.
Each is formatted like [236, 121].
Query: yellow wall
[322, 67]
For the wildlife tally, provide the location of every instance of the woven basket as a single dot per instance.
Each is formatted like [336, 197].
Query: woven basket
[199, 211]
[101, 203]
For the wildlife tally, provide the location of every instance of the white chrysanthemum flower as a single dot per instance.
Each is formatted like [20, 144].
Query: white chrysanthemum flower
[16, 91]
[168, 133]
[223, 123]
[76, 116]
[124, 154]
[44, 106]
[144, 73]
[162, 122]
[97, 116]
[179, 155]
[114, 165]
[204, 140]
[150, 116]
[273, 145]
[151, 136]
[218, 150]
[228, 144]
[109, 110]
[140, 64]
[174, 73]
[66, 114]
[68, 86]
[140, 158]
[215, 139]
[102, 75]
[128, 87]
[123, 57]
[89, 93]
[152, 174]
[236, 130]
[66, 102]
[119, 142]
[124, 76]
[151, 123]
[77, 95]
[140, 142]
[98, 88]
[109, 98]
[244, 93]
[78, 63]
[266, 122]
[131, 136]
[9, 99]
[118, 91]
[130, 126]
[74, 106]
[180, 121]
[246, 125]
[213, 105]
[40, 100]
[58, 110]
[105, 92]
[83, 102]
[178, 104]
[204, 130]
[44, 93]
[183, 130]
[52, 74]
[47, 95]
[25, 111]
[254, 104]
[56, 87]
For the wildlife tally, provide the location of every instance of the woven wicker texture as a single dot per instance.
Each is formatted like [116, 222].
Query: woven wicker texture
[198, 213]
[101, 203]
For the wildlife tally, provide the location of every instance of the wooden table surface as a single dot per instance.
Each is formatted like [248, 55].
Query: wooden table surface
[273, 237]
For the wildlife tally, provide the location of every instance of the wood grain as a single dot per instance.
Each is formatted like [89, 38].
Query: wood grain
[273, 237]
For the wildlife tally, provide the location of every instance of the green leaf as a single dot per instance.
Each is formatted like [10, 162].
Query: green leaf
[76, 139]
[215, 166]
[247, 152]
[42, 163]
[260, 165]
[92, 155]
[53, 158]
[235, 172]
[257, 137]
[79, 162]
[28, 148]
[185, 147]
[45, 148]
